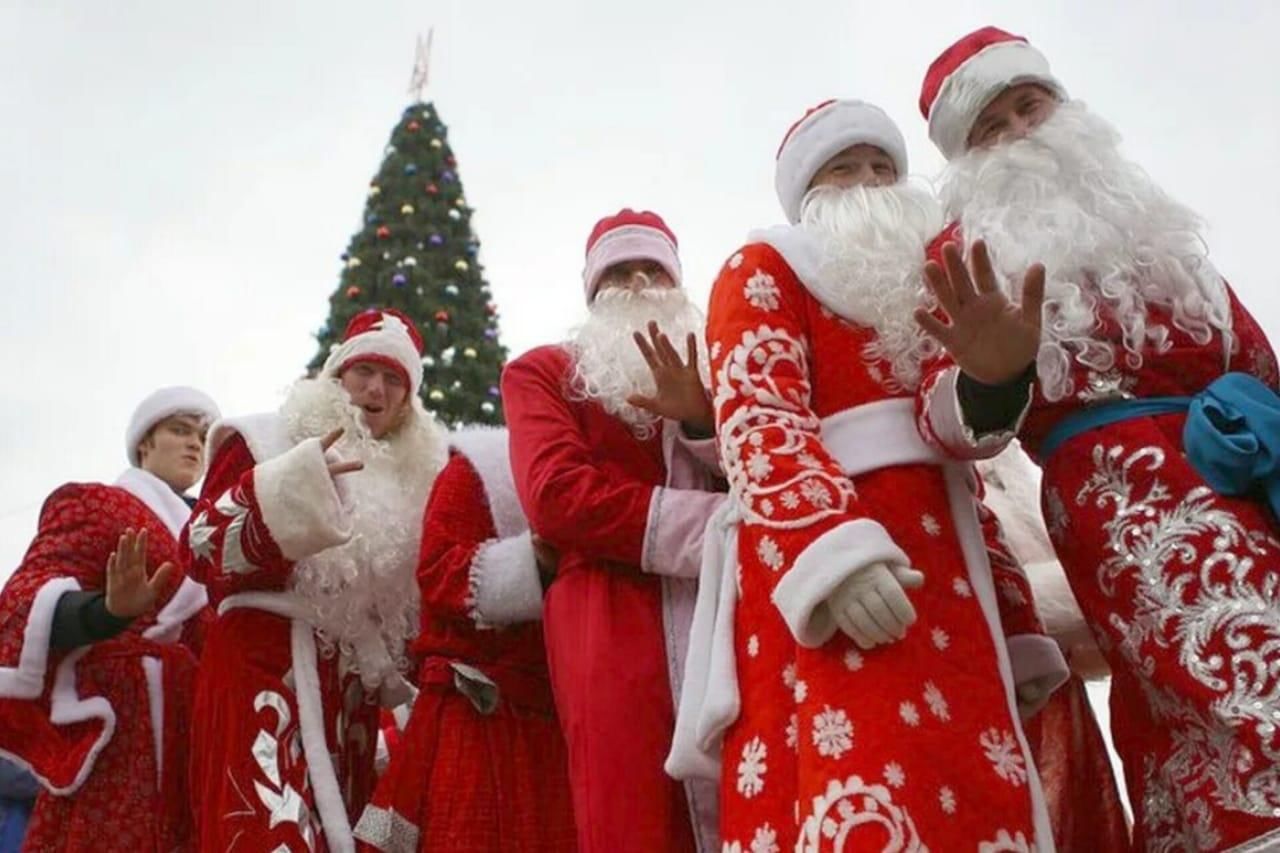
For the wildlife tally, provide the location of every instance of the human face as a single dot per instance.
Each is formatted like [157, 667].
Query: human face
[174, 451]
[858, 165]
[636, 275]
[1014, 113]
[380, 392]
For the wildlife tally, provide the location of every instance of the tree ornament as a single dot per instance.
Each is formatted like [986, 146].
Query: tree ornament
[447, 355]
[399, 279]
[436, 240]
[491, 334]
[419, 291]
[374, 190]
[386, 256]
[494, 391]
[354, 291]
[388, 151]
[372, 219]
[436, 395]
[410, 261]
[487, 407]
[436, 143]
[353, 263]
[442, 316]
[383, 232]
[432, 189]
[451, 160]
[461, 202]
[411, 169]
[451, 290]
[456, 386]
[461, 266]
[454, 214]
[470, 352]
[428, 361]
[491, 309]
[448, 176]
[406, 209]
[412, 127]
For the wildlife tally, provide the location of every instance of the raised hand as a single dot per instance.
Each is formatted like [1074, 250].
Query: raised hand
[680, 394]
[990, 338]
[130, 593]
[337, 468]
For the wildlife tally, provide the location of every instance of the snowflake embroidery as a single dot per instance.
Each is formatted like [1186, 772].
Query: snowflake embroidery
[758, 465]
[790, 499]
[947, 800]
[936, 701]
[808, 460]
[832, 732]
[761, 291]
[752, 767]
[789, 675]
[793, 732]
[909, 714]
[715, 350]
[756, 439]
[940, 639]
[735, 261]
[765, 840]
[853, 660]
[769, 553]
[1011, 592]
[801, 691]
[930, 525]
[1001, 750]
[961, 587]
[815, 493]
[753, 646]
[766, 507]
[893, 775]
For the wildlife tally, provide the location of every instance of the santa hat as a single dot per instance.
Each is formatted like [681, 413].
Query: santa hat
[971, 74]
[822, 133]
[629, 235]
[165, 403]
[384, 336]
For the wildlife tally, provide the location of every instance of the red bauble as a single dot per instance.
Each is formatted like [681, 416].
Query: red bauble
[432, 189]
[491, 309]
[442, 316]
[413, 127]
[451, 160]
[354, 291]
[383, 232]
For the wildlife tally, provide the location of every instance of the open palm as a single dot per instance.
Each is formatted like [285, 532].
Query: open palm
[991, 338]
[680, 394]
[130, 592]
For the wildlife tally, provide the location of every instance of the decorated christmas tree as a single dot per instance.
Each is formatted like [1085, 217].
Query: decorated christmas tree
[416, 252]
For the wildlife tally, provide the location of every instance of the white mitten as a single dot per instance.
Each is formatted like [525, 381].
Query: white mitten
[871, 605]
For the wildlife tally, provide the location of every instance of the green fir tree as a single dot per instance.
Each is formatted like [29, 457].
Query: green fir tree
[416, 252]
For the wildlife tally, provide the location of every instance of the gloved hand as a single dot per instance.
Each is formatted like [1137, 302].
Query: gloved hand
[1032, 694]
[871, 606]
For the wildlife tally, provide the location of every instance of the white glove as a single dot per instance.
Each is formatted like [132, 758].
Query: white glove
[1033, 694]
[871, 605]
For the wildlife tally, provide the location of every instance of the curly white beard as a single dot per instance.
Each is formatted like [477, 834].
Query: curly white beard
[1111, 241]
[873, 251]
[363, 594]
[608, 367]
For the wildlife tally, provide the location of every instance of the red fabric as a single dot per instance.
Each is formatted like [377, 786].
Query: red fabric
[120, 805]
[250, 785]
[1188, 632]
[370, 320]
[914, 741]
[1013, 591]
[955, 56]
[469, 781]
[585, 482]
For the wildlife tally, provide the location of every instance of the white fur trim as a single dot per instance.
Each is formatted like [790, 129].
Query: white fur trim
[161, 404]
[504, 581]
[823, 134]
[1013, 493]
[265, 434]
[320, 770]
[967, 91]
[946, 421]
[801, 596]
[803, 254]
[299, 502]
[629, 243]
[153, 671]
[487, 449]
[390, 340]
[26, 680]
[673, 532]
[157, 496]
[190, 598]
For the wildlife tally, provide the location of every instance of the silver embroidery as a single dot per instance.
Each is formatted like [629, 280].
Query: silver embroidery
[1111, 385]
[387, 830]
[233, 559]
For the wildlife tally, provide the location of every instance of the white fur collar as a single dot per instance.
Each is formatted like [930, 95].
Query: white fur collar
[487, 451]
[158, 497]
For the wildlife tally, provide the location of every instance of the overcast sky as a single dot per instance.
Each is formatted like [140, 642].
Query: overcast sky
[178, 183]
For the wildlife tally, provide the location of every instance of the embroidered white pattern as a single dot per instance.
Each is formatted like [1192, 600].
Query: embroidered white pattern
[941, 640]
[961, 587]
[853, 660]
[752, 767]
[1011, 592]
[761, 291]
[753, 646]
[793, 732]
[947, 800]
[735, 261]
[936, 701]
[1006, 843]
[930, 525]
[894, 776]
[801, 690]
[909, 714]
[832, 732]
[758, 465]
[765, 840]
[846, 807]
[769, 553]
[1001, 749]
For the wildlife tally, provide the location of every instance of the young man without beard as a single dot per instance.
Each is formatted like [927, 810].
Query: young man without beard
[1154, 420]
[99, 633]
[849, 727]
[307, 535]
[608, 474]
[481, 766]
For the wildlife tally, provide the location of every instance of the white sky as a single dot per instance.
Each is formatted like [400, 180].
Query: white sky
[178, 182]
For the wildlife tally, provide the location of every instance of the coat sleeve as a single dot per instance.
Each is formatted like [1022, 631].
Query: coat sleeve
[801, 521]
[254, 520]
[465, 570]
[569, 499]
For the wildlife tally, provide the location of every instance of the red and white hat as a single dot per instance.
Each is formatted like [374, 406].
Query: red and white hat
[971, 74]
[384, 336]
[822, 133]
[165, 403]
[629, 235]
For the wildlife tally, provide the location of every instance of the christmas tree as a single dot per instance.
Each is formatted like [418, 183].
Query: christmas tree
[416, 252]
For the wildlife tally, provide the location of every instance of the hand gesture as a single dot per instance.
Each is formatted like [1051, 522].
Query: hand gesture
[130, 593]
[337, 468]
[990, 338]
[680, 394]
[871, 605]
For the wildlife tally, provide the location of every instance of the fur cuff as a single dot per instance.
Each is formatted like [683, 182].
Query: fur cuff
[505, 586]
[946, 424]
[801, 595]
[299, 503]
[673, 535]
[1036, 658]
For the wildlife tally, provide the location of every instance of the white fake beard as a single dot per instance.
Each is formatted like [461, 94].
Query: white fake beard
[1111, 241]
[608, 367]
[363, 595]
[873, 252]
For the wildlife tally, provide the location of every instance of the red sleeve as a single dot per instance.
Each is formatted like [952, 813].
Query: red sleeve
[570, 501]
[226, 545]
[456, 524]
